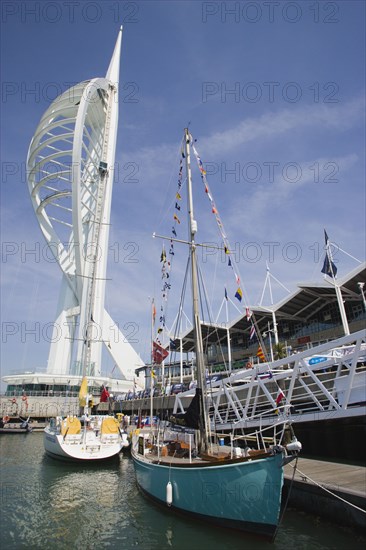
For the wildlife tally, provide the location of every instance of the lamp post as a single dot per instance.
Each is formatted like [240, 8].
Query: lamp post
[360, 286]
[269, 332]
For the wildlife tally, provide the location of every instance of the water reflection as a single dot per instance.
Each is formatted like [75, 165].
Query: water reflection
[48, 503]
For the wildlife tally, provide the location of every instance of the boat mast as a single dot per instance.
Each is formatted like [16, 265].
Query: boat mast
[87, 349]
[200, 364]
[152, 364]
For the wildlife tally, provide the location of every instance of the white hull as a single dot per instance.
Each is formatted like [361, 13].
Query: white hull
[88, 445]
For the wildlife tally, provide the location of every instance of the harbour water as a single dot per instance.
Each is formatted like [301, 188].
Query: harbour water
[50, 504]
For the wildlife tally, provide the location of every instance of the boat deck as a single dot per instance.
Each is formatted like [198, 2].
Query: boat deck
[217, 455]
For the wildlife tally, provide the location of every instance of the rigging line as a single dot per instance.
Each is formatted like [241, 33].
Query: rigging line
[204, 293]
[167, 211]
[347, 254]
[279, 282]
[202, 245]
[259, 337]
[177, 329]
[223, 235]
[161, 215]
[200, 293]
[164, 308]
[227, 244]
[219, 222]
[214, 278]
[316, 269]
[209, 312]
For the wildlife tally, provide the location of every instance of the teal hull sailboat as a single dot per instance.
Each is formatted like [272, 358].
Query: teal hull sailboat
[186, 466]
[245, 495]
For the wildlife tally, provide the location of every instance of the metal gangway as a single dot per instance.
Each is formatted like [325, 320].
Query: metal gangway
[324, 382]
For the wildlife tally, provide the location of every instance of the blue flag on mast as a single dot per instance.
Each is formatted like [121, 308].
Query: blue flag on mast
[329, 268]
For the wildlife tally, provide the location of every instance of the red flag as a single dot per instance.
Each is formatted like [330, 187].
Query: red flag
[280, 396]
[159, 353]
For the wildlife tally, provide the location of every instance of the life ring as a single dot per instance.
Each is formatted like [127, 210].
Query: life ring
[249, 365]
[6, 419]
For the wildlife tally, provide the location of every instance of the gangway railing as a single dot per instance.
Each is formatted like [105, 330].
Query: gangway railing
[330, 378]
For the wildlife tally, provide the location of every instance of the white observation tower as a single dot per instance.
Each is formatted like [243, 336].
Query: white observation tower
[70, 170]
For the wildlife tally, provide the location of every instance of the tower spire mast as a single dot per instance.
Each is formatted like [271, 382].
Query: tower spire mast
[113, 69]
[74, 147]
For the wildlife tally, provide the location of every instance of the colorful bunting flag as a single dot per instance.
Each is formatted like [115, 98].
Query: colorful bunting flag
[260, 354]
[239, 294]
[159, 353]
[153, 312]
[280, 396]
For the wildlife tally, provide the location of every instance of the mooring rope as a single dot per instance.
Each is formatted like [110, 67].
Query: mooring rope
[330, 492]
[287, 499]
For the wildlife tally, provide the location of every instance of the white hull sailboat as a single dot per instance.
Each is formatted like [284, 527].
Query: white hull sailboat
[99, 439]
[231, 480]
[88, 438]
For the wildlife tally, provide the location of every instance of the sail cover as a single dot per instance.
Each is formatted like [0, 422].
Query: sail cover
[191, 418]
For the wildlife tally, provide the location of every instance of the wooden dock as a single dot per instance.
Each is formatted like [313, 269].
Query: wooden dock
[336, 492]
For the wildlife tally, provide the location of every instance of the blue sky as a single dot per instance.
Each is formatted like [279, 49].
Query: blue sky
[274, 94]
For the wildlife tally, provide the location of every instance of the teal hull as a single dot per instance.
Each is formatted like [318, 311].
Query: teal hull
[243, 495]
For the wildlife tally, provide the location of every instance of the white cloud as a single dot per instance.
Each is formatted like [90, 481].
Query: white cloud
[340, 116]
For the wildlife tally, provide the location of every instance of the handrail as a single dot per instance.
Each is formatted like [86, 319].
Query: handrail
[30, 393]
[334, 384]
